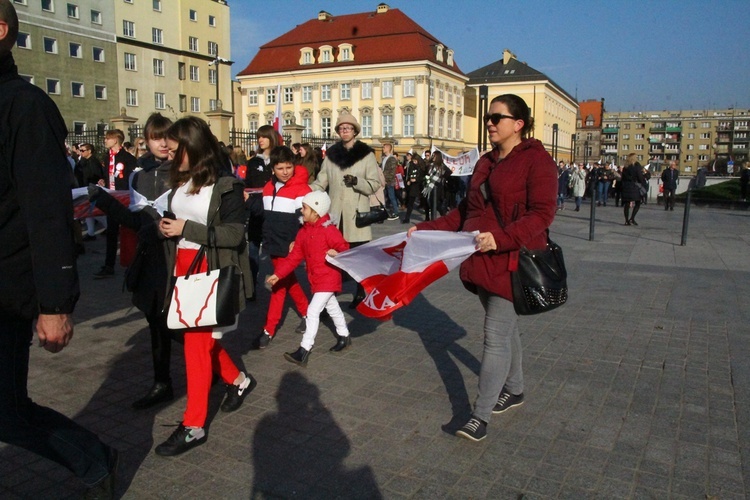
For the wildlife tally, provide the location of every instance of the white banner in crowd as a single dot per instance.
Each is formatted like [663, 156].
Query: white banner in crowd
[462, 164]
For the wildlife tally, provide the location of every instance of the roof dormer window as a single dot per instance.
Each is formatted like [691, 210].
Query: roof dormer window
[306, 56]
[326, 54]
[439, 52]
[449, 62]
[345, 52]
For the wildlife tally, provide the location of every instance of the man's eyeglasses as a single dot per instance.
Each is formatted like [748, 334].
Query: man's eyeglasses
[496, 117]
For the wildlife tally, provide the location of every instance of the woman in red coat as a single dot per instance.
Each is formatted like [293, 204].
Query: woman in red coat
[511, 202]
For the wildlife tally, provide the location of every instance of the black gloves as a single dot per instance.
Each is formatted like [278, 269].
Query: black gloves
[350, 180]
[94, 191]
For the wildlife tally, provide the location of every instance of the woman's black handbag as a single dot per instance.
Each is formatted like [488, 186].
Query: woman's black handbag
[375, 215]
[540, 282]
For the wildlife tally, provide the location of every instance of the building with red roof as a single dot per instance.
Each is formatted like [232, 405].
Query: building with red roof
[398, 80]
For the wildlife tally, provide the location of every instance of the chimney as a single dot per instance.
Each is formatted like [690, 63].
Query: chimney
[382, 8]
[324, 16]
[507, 56]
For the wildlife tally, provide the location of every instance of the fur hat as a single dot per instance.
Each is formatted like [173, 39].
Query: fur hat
[346, 117]
[318, 201]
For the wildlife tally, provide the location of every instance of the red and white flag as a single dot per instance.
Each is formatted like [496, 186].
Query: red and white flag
[394, 269]
[323, 149]
[277, 120]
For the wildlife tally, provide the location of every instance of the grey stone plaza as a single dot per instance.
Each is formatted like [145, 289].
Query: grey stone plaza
[639, 387]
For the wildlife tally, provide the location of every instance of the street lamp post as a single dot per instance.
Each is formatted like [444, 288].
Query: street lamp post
[216, 62]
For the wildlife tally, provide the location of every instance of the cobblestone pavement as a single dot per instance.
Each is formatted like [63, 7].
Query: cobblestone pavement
[639, 387]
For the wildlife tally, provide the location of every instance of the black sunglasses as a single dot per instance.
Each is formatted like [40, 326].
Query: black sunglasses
[496, 117]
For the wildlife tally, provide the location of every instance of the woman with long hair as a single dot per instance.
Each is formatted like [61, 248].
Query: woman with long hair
[203, 202]
[511, 203]
[309, 160]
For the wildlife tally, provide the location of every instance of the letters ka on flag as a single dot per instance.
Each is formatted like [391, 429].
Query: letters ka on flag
[394, 269]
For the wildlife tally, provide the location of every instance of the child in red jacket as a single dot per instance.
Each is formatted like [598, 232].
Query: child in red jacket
[317, 238]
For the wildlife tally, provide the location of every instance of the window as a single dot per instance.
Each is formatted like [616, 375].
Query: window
[625, 147]
[98, 54]
[705, 124]
[53, 86]
[157, 36]
[441, 94]
[96, 17]
[706, 135]
[366, 125]
[28, 78]
[325, 92]
[345, 91]
[432, 89]
[160, 101]
[288, 94]
[252, 97]
[691, 147]
[128, 28]
[692, 125]
[212, 104]
[703, 147]
[131, 97]
[193, 44]
[346, 54]
[691, 135]
[128, 1]
[307, 57]
[158, 67]
[366, 90]
[325, 126]
[50, 45]
[450, 123]
[638, 137]
[181, 70]
[325, 55]
[75, 50]
[431, 122]
[130, 62]
[386, 89]
[157, 6]
[183, 103]
[100, 92]
[23, 41]
[640, 125]
[76, 89]
[307, 93]
[194, 74]
[408, 86]
[450, 99]
[441, 123]
[72, 11]
[639, 147]
[195, 104]
[20, 2]
[625, 137]
[212, 21]
[193, 15]
[79, 127]
[213, 49]
[271, 96]
[307, 124]
[409, 125]
[211, 76]
[387, 121]
[48, 6]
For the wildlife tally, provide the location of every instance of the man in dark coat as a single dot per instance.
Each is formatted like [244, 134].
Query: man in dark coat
[38, 269]
[669, 179]
[89, 170]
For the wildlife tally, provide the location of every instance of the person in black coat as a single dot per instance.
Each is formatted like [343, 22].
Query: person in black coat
[632, 181]
[413, 181]
[89, 170]
[669, 179]
[147, 275]
[38, 274]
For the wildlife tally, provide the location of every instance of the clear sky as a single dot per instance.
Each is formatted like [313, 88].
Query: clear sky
[636, 54]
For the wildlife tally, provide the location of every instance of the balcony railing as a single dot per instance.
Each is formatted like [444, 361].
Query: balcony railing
[674, 129]
[610, 130]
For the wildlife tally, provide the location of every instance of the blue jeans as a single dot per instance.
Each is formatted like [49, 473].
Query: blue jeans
[501, 358]
[390, 192]
[41, 430]
[603, 191]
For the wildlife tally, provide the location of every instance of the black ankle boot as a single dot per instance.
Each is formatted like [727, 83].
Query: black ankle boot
[159, 393]
[298, 357]
[341, 344]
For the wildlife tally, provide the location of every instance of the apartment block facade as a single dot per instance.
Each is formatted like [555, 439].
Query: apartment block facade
[694, 138]
[68, 49]
[99, 59]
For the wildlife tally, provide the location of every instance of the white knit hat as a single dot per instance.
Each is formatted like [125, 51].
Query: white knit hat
[318, 201]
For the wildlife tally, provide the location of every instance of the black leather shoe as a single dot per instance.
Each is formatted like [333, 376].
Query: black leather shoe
[298, 357]
[342, 344]
[159, 393]
[359, 296]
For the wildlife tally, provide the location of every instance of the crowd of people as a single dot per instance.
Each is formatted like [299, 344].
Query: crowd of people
[196, 206]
